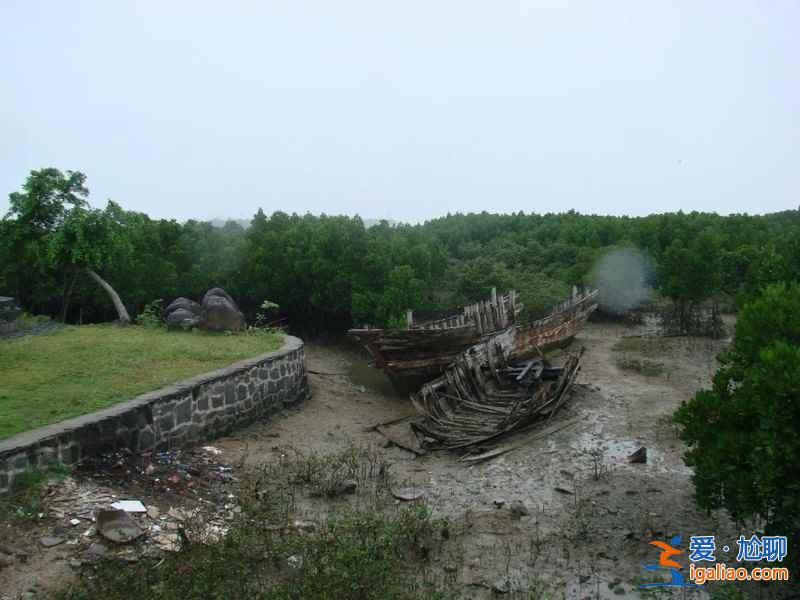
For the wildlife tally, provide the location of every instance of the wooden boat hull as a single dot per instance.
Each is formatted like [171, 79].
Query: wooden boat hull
[484, 395]
[554, 331]
[412, 357]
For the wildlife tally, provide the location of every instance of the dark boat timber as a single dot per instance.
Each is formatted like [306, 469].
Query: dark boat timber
[484, 395]
[413, 356]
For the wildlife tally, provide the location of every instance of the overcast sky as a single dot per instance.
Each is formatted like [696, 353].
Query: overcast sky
[406, 110]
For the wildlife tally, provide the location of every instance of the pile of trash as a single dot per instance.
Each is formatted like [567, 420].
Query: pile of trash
[198, 473]
[104, 510]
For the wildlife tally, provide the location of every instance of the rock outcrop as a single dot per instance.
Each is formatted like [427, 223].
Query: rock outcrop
[217, 312]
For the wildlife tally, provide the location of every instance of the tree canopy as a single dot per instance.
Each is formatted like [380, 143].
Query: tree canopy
[330, 272]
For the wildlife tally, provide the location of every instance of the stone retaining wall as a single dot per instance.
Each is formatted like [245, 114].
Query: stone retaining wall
[197, 409]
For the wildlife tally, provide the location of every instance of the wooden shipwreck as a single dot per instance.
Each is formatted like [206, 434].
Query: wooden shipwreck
[413, 356]
[489, 392]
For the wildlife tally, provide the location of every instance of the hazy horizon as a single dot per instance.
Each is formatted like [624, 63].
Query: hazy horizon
[203, 110]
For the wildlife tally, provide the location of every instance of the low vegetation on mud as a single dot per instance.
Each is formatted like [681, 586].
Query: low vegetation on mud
[636, 354]
[50, 377]
[367, 547]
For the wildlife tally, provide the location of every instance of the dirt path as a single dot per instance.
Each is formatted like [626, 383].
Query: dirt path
[590, 512]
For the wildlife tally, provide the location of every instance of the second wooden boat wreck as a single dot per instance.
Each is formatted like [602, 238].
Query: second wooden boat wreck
[486, 394]
[413, 356]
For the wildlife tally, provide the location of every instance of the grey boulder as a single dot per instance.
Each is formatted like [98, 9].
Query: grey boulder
[220, 312]
[182, 318]
[217, 312]
[185, 304]
[218, 292]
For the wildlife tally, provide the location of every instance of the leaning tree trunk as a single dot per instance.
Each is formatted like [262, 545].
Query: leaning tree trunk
[124, 317]
[68, 287]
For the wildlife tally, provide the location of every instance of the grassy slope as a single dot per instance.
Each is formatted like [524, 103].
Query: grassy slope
[48, 378]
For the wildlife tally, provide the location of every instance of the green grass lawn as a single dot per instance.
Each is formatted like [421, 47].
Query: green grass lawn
[48, 378]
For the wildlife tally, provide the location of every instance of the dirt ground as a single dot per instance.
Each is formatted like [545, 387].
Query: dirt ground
[590, 514]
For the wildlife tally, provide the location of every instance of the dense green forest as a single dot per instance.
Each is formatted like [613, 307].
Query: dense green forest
[329, 272]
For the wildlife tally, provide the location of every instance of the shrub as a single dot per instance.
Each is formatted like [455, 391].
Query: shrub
[742, 433]
[151, 315]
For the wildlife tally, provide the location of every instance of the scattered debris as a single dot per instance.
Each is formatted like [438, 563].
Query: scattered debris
[97, 550]
[402, 437]
[386, 423]
[193, 473]
[169, 542]
[638, 457]
[195, 481]
[304, 525]
[134, 506]
[70, 500]
[500, 450]
[178, 514]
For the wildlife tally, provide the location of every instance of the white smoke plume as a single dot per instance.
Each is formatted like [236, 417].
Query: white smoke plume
[623, 277]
